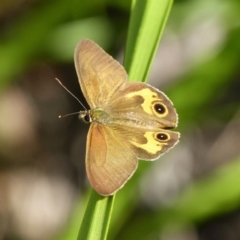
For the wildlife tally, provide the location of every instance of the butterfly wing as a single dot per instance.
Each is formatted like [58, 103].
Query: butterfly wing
[144, 115]
[109, 162]
[98, 73]
[145, 143]
[143, 104]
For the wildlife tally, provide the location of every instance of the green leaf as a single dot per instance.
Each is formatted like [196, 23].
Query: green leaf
[148, 19]
[96, 218]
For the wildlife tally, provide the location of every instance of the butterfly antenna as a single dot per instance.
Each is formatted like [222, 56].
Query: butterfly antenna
[62, 116]
[72, 95]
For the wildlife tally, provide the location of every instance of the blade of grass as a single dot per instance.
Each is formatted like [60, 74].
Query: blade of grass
[96, 218]
[148, 19]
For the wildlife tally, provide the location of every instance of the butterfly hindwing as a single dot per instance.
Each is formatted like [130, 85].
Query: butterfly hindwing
[143, 104]
[146, 144]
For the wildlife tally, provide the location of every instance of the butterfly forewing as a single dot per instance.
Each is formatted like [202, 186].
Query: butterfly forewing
[98, 73]
[109, 162]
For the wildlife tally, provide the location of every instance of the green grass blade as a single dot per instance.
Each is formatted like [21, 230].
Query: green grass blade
[147, 22]
[96, 218]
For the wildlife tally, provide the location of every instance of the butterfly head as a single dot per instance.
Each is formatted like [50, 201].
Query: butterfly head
[85, 116]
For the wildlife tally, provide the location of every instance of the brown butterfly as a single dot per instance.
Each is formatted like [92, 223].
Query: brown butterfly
[129, 120]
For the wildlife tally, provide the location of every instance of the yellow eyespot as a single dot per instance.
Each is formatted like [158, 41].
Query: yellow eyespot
[163, 137]
[159, 109]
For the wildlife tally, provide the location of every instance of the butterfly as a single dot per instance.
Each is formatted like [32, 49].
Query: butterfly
[129, 120]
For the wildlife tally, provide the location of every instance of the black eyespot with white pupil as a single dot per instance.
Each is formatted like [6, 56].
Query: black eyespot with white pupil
[162, 136]
[159, 108]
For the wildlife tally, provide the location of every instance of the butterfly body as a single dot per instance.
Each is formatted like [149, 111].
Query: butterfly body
[129, 120]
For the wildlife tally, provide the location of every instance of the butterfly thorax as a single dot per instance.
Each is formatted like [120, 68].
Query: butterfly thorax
[96, 115]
